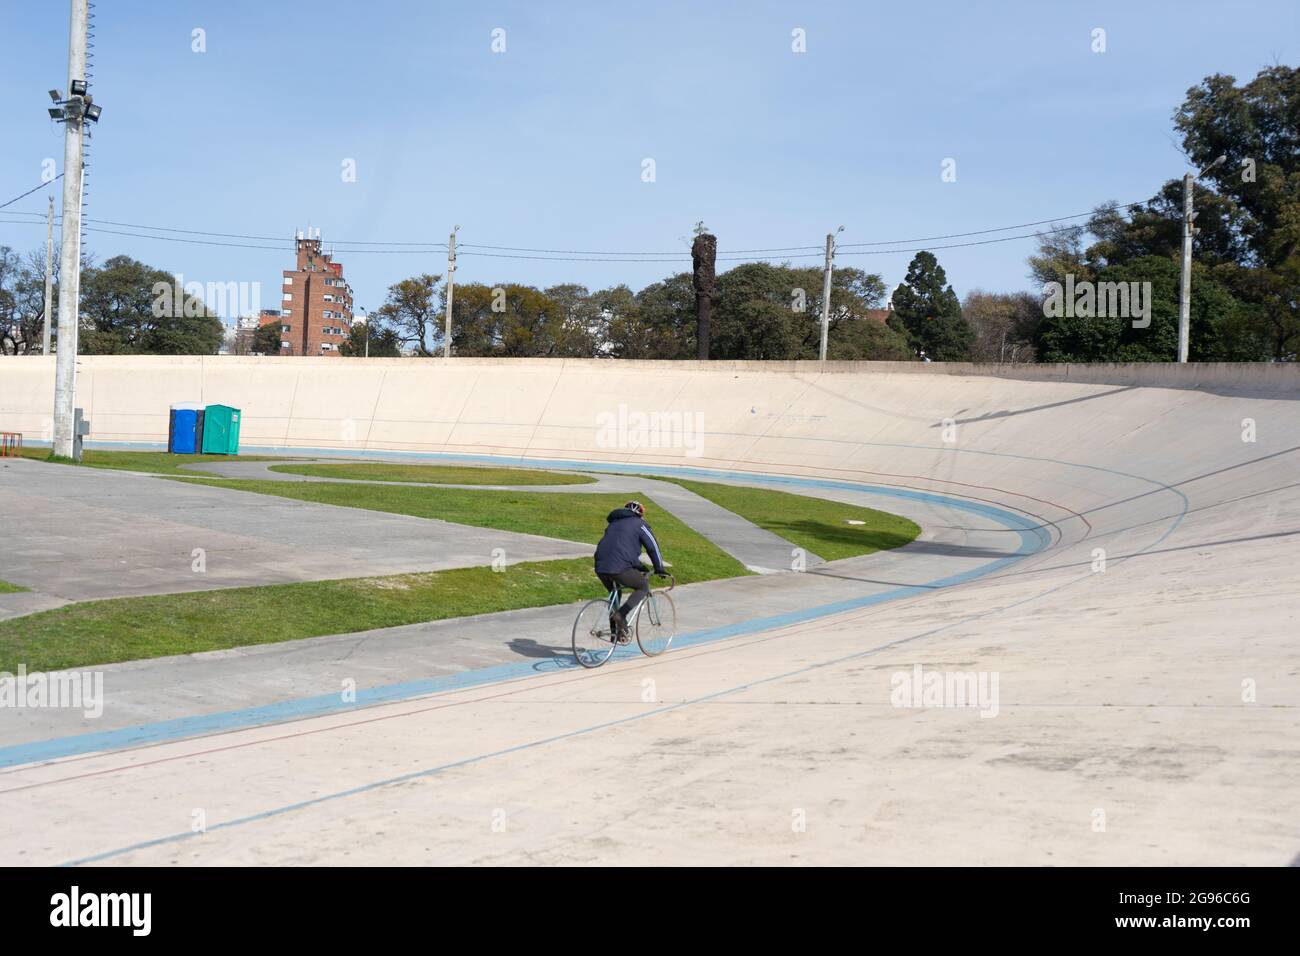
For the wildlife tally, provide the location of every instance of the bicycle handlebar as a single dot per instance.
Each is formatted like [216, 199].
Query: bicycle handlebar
[670, 577]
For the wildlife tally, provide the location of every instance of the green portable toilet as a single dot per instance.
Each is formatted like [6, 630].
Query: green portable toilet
[220, 430]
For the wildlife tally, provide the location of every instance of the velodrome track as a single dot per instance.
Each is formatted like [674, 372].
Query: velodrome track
[1147, 712]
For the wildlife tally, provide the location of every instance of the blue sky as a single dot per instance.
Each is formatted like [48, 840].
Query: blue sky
[542, 146]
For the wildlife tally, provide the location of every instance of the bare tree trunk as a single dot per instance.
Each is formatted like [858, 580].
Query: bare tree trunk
[704, 253]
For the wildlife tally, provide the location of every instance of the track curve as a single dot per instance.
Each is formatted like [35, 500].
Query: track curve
[1148, 674]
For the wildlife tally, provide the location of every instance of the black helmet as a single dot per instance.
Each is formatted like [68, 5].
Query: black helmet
[636, 508]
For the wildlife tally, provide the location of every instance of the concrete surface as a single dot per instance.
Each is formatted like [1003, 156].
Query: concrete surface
[85, 533]
[1149, 690]
[142, 693]
[758, 549]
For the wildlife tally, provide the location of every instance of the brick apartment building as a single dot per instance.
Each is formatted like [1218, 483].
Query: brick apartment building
[315, 314]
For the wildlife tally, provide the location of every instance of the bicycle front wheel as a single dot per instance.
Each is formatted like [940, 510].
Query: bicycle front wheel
[593, 643]
[656, 625]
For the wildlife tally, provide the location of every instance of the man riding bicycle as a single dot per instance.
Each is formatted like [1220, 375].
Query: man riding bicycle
[618, 560]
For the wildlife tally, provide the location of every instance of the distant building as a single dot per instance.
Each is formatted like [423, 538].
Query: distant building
[316, 312]
[241, 341]
[880, 315]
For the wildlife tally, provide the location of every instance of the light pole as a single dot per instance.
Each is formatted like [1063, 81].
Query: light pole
[73, 113]
[1185, 290]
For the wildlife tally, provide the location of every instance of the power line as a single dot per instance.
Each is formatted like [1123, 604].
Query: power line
[605, 255]
[348, 247]
[980, 232]
[30, 191]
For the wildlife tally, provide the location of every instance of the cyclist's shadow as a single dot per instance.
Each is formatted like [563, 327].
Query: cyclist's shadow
[551, 658]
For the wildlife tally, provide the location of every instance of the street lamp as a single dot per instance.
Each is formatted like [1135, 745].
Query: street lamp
[1189, 230]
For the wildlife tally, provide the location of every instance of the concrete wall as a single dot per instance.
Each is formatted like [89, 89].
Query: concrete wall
[550, 408]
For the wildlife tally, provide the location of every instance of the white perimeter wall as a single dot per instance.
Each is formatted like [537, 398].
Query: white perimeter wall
[1085, 450]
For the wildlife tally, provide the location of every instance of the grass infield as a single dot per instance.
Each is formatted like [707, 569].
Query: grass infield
[434, 474]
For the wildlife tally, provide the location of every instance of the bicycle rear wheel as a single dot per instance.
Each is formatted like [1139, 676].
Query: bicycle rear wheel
[656, 624]
[593, 644]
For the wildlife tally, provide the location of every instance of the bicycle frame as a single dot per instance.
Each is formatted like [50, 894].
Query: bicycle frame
[615, 601]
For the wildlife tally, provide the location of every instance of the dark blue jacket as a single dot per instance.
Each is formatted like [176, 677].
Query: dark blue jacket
[620, 548]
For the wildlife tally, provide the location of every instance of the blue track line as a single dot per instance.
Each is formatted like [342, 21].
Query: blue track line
[1033, 538]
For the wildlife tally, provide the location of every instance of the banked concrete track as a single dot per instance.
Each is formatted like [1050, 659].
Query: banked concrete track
[1144, 643]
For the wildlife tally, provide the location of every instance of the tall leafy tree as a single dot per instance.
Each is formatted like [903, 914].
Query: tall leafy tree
[659, 323]
[266, 340]
[128, 307]
[22, 303]
[1003, 325]
[384, 340]
[1257, 127]
[1219, 330]
[414, 310]
[1247, 223]
[927, 310]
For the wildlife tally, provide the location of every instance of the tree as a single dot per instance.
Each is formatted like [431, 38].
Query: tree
[20, 326]
[704, 254]
[128, 307]
[384, 340]
[1218, 322]
[581, 320]
[1257, 127]
[659, 322]
[856, 329]
[1060, 253]
[1003, 325]
[266, 340]
[1247, 237]
[928, 312]
[756, 317]
[414, 310]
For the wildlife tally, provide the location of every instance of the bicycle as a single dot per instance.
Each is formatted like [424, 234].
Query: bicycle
[654, 622]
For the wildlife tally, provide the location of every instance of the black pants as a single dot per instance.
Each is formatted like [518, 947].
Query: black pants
[638, 581]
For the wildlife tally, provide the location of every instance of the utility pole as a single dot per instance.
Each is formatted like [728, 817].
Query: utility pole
[65, 369]
[1185, 291]
[1185, 288]
[451, 290]
[49, 277]
[826, 291]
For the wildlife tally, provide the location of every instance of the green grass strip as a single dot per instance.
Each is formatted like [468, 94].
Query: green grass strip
[123, 629]
[572, 516]
[435, 474]
[814, 524]
[155, 462]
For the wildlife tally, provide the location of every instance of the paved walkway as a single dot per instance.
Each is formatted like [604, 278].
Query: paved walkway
[509, 644]
[756, 548]
[87, 533]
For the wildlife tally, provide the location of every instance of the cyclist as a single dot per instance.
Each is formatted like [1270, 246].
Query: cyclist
[618, 561]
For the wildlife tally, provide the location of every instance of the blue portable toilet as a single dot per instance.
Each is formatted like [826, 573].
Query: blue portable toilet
[185, 430]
